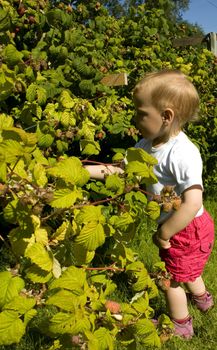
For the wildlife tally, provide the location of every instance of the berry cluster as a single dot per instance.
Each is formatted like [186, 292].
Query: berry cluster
[168, 199]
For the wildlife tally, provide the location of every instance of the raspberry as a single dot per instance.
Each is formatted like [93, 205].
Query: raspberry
[113, 306]
[167, 207]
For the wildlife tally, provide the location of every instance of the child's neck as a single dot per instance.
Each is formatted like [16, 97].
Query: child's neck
[159, 141]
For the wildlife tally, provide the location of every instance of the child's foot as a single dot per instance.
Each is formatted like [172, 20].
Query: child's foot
[184, 330]
[204, 302]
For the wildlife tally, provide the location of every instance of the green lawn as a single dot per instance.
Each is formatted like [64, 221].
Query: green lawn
[205, 325]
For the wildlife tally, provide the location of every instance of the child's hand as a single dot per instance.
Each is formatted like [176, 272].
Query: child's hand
[161, 243]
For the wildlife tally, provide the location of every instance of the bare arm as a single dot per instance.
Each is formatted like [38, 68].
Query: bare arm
[99, 171]
[191, 203]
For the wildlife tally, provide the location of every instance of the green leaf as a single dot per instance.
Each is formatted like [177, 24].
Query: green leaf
[29, 316]
[104, 338]
[40, 175]
[3, 171]
[147, 333]
[45, 140]
[142, 303]
[122, 221]
[10, 150]
[72, 279]
[91, 236]
[20, 240]
[89, 147]
[5, 20]
[11, 328]
[65, 198]
[20, 304]
[138, 169]
[11, 55]
[37, 275]
[6, 121]
[153, 210]
[66, 300]
[40, 256]
[115, 184]
[66, 100]
[71, 323]
[90, 213]
[70, 170]
[63, 231]
[138, 154]
[133, 196]
[9, 287]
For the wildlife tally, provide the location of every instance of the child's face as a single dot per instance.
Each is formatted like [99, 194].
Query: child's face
[149, 120]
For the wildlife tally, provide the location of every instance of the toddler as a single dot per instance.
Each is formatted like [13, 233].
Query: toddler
[164, 102]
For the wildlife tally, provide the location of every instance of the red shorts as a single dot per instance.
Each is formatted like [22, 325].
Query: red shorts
[190, 249]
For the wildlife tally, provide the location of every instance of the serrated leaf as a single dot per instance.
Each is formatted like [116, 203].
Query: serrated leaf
[141, 304]
[20, 304]
[122, 221]
[89, 147]
[40, 175]
[153, 210]
[138, 196]
[65, 198]
[138, 154]
[5, 121]
[115, 184]
[37, 275]
[45, 140]
[91, 236]
[41, 95]
[57, 271]
[31, 92]
[11, 328]
[147, 333]
[9, 287]
[20, 240]
[90, 213]
[70, 170]
[10, 150]
[138, 169]
[3, 171]
[12, 55]
[29, 316]
[81, 256]
[38, 254]
[41, 236]
[72, 279]
[64, 323]
[66, 100]
[104, 338]
[63, 231]
[66, 300]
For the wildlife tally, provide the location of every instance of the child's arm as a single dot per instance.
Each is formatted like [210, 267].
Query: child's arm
[191, 203]
[99, 171]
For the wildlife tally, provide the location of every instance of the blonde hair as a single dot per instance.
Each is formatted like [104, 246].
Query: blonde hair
[170, 89]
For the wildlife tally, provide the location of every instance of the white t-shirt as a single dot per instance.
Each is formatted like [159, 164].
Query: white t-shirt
[179, 164]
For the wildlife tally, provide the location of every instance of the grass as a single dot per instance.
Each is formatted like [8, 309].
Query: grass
[205, 325]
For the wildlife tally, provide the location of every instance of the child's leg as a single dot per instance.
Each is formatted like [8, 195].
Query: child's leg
[178, 309]
[177, 302]
[199, 295]
[197, 287]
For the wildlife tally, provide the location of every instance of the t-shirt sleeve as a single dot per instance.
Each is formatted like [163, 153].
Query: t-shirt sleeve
[186, 166]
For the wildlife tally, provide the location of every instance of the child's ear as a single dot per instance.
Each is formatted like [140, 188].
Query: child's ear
[168, 116]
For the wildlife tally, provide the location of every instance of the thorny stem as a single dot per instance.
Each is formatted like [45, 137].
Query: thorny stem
[78, 206]
[103, 268]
